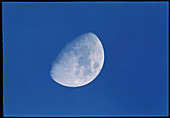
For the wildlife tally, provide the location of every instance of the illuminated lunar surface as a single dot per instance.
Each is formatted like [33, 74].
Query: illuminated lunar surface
[79, 62]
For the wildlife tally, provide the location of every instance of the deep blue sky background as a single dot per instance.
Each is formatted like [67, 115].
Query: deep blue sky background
[133, 80]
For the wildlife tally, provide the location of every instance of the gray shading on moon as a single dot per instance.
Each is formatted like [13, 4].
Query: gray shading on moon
[79, 62]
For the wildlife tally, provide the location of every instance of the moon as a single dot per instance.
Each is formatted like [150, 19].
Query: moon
[79, 62]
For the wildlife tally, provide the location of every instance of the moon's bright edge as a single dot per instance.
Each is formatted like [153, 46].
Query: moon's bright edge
[79, 62]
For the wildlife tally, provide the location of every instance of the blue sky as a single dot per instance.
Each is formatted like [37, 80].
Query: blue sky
[133, 80]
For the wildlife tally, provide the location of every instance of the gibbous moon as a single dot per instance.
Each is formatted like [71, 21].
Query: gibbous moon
[79, 62]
